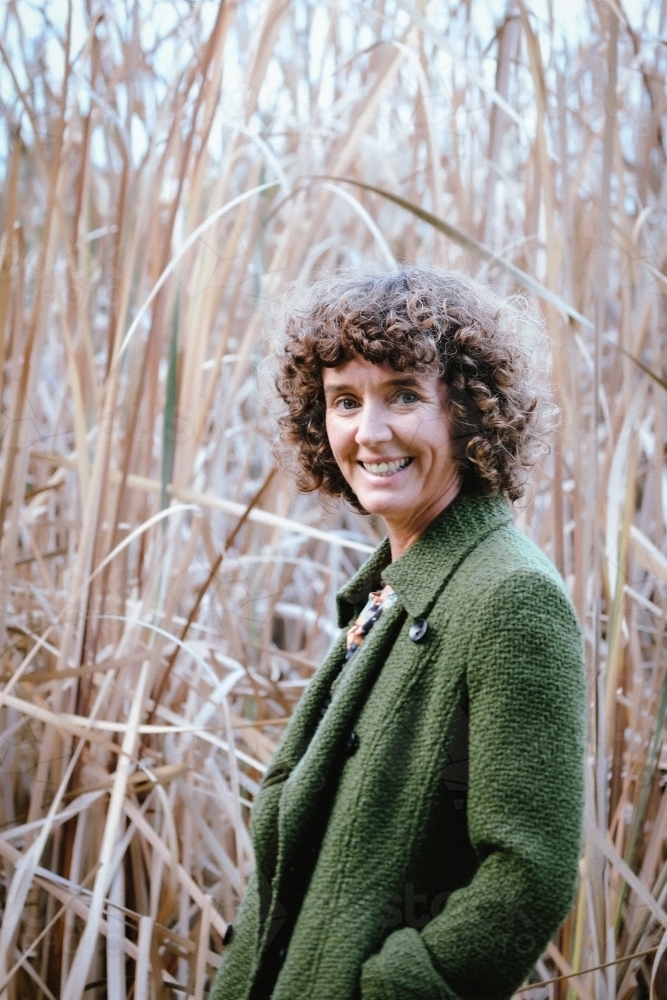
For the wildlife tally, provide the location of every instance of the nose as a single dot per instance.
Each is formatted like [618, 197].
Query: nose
[373, 427]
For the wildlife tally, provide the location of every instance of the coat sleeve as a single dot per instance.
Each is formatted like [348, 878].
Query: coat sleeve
[526, 688]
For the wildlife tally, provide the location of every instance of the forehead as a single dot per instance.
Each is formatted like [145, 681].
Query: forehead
[358, 372]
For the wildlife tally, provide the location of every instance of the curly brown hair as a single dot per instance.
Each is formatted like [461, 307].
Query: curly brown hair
[489, 351]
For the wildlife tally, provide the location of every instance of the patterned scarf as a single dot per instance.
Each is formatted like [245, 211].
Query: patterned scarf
[378, 601]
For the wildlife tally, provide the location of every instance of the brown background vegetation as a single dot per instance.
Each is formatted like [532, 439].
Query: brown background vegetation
[169, 169]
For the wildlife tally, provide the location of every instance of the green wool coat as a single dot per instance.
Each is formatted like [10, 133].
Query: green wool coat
[417, 838]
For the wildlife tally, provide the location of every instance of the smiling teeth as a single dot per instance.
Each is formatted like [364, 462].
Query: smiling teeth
[385, 468]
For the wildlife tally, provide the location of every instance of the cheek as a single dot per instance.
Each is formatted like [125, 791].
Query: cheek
[332, 434]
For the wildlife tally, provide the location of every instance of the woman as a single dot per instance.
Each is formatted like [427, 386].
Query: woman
[418, 830]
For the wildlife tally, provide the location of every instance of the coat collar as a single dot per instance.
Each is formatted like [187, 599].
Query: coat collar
[422, 572]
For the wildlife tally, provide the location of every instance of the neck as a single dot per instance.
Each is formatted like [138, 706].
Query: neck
[403, 532]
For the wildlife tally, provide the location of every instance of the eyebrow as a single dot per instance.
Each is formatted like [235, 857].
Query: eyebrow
[409, 381]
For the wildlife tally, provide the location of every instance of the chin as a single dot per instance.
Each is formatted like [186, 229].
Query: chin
[380, 509]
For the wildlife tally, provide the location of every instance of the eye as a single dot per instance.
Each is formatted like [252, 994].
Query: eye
[407, 396]
[345, 403]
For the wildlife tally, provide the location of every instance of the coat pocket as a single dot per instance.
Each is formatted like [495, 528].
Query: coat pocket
[403, 968]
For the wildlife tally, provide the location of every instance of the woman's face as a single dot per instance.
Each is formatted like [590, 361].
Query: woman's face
[390, 435]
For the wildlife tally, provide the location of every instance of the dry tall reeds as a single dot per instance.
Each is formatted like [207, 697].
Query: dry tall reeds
[169, 168]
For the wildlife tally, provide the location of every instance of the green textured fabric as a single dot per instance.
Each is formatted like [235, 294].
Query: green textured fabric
[449, 857]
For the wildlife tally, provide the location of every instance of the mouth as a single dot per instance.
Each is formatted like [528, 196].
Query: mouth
[385, 468]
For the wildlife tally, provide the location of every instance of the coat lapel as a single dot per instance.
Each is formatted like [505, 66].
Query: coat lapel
[312, 778]
[423, 572]
[290, 751]
[420, 575]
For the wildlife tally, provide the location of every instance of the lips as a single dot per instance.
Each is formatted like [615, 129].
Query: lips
[386, 468]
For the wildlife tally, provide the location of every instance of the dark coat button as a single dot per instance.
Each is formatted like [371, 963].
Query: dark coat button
[418, 629]
[229, 934]
[352, 744]
[281, 954]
